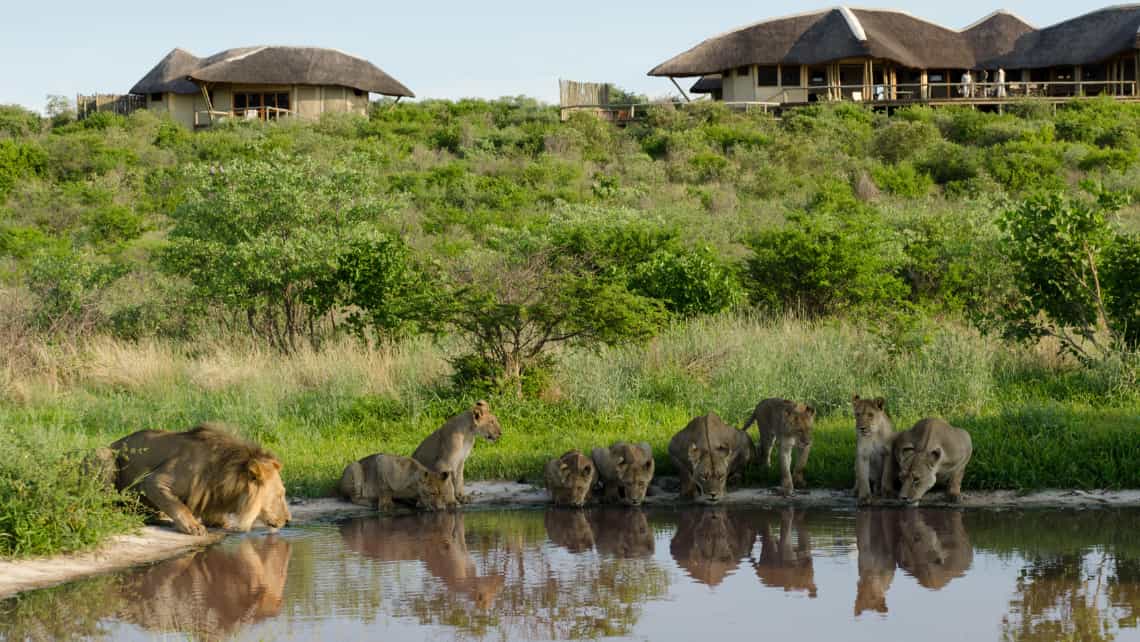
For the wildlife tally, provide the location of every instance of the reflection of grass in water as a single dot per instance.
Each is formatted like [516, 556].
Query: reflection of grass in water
[61, 613]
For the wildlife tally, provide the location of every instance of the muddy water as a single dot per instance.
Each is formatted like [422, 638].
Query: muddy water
[652, 575]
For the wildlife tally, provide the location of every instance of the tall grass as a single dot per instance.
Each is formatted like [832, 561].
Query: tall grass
[1030, 412]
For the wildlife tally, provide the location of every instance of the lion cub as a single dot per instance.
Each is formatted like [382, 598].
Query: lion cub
[708, 453]
[450, 445]
[570, 478]
[624, 470]
[378, 480]
[790, 424]
[873, 434]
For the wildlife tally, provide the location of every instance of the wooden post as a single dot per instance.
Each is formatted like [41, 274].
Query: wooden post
[924, 85]
[683, 94]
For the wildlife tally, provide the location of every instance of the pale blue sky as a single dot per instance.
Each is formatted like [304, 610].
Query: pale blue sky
[441, 48]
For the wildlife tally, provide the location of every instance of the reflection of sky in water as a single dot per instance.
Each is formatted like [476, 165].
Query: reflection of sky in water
[376, 579]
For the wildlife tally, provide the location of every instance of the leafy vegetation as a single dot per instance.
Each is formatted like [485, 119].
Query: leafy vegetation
[339, 287]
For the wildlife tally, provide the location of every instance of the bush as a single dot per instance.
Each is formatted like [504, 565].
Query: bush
[1022, 166]
[836, 256]
[900, 140]
[48, 505]
[17, 161]
[688, 283]
[902, 180]
[949, 163]
[1122, 280]
[17, 122]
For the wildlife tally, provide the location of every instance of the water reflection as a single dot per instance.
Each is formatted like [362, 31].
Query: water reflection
[438, 540]
[711, 543]
[600, 572]
[930, 545]
[786, 562]
[212, 593]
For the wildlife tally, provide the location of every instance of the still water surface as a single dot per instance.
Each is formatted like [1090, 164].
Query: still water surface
[683, 574]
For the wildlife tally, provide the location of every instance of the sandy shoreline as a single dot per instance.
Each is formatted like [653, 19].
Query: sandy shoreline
[155, 543]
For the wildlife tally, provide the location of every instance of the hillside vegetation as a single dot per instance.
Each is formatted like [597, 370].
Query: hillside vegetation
[339, 288]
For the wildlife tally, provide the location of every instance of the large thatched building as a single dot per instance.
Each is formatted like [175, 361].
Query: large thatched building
[263, 83]
[885, 55]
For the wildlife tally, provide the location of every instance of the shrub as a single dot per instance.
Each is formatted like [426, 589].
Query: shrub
[688, 283]
[48, 505]
[1122, 281]
[902, 180]
[1057, 246]
[837, 255]
[1024, 166]
[899, 140]
[19, 160]
[949, 163]
[17, 122]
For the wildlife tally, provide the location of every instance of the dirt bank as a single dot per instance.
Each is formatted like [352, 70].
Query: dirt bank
[154, 543]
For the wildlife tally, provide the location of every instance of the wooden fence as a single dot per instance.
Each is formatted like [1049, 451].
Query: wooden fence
[116, 103]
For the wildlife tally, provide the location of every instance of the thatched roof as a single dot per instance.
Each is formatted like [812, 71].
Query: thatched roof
[177, 71]
[1000, 39]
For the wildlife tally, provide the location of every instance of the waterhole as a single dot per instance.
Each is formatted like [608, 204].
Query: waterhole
[684, 574]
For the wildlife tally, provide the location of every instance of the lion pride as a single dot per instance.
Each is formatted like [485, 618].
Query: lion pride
[199, 477]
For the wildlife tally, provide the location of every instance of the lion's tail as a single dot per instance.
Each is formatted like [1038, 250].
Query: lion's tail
[751, 420]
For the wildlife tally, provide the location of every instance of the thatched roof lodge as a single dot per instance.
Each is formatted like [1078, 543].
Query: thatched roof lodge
[263, 83]
[885, 55]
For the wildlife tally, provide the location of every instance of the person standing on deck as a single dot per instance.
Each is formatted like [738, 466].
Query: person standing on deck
[967, 88]
[1000, 79]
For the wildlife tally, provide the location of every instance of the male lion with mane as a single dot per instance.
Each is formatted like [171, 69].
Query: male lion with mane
[199, 477]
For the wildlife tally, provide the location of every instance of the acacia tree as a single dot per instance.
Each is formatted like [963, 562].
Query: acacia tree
[514, 311]
[275, 240]
[1058, 245]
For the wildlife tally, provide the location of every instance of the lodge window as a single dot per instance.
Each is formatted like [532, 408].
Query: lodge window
[1039, 75]
[817, 76]
[743, 72]
[767, 76]
[1064, 74]
[156, 97]
[263, 106]
[790, 75]
[1093, 72]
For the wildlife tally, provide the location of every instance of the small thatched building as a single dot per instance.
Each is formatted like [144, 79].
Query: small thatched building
[886, 55]
[263, 83]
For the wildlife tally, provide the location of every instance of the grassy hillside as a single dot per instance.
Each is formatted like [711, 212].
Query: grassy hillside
[339, 288]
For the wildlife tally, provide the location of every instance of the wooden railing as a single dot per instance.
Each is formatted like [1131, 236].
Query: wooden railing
[971, 91]
[207, 117]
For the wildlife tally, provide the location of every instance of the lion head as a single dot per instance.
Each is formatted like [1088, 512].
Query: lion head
[634, 468]
[870, 415]
[436, 492]
[919, 472]
[710, 469]
[486, 424]
[577, 476]
[800, 418]
[264, 496]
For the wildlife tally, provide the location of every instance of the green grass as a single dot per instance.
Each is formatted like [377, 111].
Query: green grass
[1034, 424]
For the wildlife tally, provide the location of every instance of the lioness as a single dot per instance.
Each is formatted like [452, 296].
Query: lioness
[450, 445]
[931, 452]
[621, 532]
[570, 478]
[706, 453]
[873, 434]
[624, 470]
[933, 546]
[377, 480]
[200, 477]
[711, 542]
[790, 424]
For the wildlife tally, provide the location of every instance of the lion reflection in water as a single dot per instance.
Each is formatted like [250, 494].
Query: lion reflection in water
[783, 563]
[615, 532]
[436, 539]
[212, 593]
[710, 543]
[932, 546]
